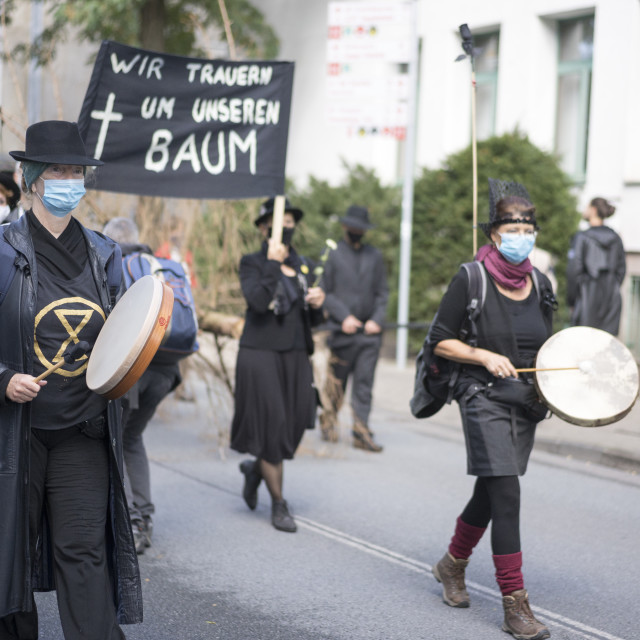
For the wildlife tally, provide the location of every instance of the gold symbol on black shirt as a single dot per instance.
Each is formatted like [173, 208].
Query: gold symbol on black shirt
[66, 317]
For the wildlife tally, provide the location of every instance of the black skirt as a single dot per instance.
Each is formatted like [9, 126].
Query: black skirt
[499, 422]
[275, 401]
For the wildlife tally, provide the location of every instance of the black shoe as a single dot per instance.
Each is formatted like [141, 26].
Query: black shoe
[252, 480]
[148, 529]
[139, 536]
[281, 518]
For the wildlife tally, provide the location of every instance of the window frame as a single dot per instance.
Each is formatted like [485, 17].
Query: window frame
[584, 70]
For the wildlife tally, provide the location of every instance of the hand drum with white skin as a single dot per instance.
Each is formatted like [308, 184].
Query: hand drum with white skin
[603, 386]
[130, 337]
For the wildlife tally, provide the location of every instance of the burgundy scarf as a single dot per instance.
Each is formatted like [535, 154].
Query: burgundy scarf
[507, 275]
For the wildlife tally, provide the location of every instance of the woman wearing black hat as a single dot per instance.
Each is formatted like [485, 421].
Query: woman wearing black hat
[275, 400]
[499, 408]
[60, 449]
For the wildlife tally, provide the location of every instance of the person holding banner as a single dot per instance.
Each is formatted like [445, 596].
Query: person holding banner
[275, 398]
[64, 523]
[499, 409]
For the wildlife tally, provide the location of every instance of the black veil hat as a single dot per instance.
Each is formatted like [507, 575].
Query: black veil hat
[499, 189]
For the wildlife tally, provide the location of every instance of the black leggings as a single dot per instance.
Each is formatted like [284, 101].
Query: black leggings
[496, 499]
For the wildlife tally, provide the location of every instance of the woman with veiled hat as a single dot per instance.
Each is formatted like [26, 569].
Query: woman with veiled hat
[499, 408]
[64, 511]
[275, 399]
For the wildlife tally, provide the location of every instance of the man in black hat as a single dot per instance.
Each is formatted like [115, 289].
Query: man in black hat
[355, 282]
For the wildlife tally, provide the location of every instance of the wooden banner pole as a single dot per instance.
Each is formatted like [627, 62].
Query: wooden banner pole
[278, 218]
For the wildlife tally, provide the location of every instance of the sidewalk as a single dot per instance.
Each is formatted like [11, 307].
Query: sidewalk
[615, 445]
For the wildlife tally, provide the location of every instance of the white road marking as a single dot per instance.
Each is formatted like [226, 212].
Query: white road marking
[576, 627]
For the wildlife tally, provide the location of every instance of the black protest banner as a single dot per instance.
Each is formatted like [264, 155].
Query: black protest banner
[169, 125]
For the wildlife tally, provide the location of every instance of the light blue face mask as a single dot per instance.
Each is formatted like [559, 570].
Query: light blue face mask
[61, 197]
[516, 247]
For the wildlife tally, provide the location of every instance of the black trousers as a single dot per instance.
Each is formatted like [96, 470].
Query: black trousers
[357, 359]
[69, 476]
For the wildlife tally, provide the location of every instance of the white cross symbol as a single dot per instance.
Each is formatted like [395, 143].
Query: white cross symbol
[107, 116]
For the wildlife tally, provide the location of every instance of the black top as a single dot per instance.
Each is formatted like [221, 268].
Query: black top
[515, 329]
[264, 328]
[67, 311]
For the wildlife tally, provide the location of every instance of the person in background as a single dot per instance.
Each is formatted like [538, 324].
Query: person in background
[499, 408]
[275, 398]
[9, 198]
[64, 523]
[355, 282]
[140, 404]
[595, 271]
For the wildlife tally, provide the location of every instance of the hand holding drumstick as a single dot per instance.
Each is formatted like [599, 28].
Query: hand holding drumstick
[23, 388]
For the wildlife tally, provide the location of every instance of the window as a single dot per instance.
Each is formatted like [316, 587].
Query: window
[486, 83]
[575, 55]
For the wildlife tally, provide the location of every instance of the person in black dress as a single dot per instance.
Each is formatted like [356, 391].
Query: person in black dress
[499, 408]
[275, 399]
[595, 271]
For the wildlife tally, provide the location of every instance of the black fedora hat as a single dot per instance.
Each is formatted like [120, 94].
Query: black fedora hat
[357, 218]
[7, 181]
[55, 142]
[266, 210]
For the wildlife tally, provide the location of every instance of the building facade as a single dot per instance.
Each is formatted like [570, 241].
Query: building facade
[565, 72]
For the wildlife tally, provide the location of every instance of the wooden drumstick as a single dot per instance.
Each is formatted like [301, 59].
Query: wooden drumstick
[548, 369]
[73, 353]
[586, 366]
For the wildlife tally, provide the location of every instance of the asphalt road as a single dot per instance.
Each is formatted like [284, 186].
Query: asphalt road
[370, 527]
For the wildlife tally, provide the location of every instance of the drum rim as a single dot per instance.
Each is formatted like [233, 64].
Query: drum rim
[149, 349]
[585, 422]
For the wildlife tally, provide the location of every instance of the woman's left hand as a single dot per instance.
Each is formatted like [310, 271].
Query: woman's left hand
[315, 297]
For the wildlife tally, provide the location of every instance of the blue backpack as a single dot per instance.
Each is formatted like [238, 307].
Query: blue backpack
[180, 339]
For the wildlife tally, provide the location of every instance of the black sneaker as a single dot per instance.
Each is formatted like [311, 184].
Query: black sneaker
[148, 529]
[139, 536]
[252, 480]
[281, 518]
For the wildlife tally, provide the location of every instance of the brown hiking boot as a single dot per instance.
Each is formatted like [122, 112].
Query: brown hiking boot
[363, 438]
[519, 620]
[450, 572]
[328, 431]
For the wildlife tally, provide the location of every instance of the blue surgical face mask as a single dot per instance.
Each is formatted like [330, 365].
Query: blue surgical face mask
[516, 247]
[61, 197]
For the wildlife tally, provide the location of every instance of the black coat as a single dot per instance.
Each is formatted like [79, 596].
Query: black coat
[355, 281]
[264, 329]
[595, 271]
[17, 318]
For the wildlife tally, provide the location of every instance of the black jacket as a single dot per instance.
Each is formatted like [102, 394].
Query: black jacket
[356, 284]
[264, 329]
[595, 271]
[17, 318]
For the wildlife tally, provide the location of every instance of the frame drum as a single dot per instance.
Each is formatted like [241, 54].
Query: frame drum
[130, 337]
[601, 389]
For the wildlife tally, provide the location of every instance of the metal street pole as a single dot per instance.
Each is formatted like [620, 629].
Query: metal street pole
[406, 224]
